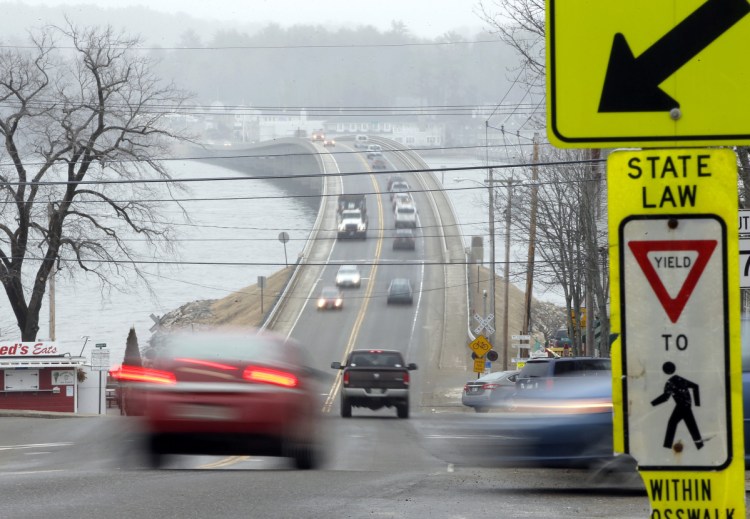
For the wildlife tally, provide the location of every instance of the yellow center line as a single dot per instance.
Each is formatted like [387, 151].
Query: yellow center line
[363, 310]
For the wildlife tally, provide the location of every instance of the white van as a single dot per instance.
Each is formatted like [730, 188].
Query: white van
[406, 216]
[361, 141]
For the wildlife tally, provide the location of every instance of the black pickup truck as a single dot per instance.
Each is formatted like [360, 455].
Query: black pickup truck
[375, 379]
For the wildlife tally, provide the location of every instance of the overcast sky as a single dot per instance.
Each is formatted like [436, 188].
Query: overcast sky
[427, 18]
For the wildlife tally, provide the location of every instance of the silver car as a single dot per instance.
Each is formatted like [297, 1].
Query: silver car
[490, 390]
[348, 276]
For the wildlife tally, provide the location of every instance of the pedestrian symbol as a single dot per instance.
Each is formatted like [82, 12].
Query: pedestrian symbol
[678, 388]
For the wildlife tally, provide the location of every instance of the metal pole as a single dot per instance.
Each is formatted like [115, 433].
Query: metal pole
[532, 242]
[100, 392]
[491, 216]
[506, 282]
[493, 336]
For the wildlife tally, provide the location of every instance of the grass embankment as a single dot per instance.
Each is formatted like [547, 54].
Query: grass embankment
[243, 307]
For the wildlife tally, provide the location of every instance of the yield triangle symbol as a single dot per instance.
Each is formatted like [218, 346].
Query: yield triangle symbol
[673, 305]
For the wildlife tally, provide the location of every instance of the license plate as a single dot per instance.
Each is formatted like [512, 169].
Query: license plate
[202, 412]
[474, 390]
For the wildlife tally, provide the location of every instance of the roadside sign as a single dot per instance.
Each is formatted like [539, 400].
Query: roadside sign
[676, 365]
[744, 262]
[646, 72]
[744, 222]
[479, 365]
[100, 360]
[521, 337]
[480, 346]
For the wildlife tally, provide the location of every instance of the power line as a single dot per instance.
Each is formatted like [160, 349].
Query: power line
[281, 47]
[289, 177]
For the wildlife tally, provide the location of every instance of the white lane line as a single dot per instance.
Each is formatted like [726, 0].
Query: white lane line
[416, 313]
[28, 472]
[33, 446]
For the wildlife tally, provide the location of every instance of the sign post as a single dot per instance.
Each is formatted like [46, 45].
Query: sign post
[100, 362]
[676, 366]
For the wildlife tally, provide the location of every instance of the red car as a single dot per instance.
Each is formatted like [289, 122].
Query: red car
[226, 394]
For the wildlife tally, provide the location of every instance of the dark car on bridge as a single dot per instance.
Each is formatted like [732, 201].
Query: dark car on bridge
[404, 239]
[330, 298]
[400, 292]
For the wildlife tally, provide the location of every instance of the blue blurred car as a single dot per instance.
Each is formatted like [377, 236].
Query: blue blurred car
[570, 426]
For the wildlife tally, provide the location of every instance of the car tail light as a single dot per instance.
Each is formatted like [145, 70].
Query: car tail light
[138, 374]
[270, 376]
[346, 378]
[466, 388]
[406, 378]
[490, 386]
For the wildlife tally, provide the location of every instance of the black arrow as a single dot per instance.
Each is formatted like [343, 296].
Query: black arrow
[632, 84]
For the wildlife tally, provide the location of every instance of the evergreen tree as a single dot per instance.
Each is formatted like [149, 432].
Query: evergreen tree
[132, 353]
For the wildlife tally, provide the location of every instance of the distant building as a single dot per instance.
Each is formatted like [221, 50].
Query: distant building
[410, 130]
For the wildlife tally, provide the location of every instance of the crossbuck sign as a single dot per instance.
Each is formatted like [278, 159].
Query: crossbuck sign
[485, 323]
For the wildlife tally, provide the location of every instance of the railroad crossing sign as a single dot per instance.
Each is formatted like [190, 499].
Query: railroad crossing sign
[676, 365]
[480, 346]
[646, 72]
[485, 323]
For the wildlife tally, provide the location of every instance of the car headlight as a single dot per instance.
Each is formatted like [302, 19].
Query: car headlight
[321, 303]
[361, 227]
[339, 302]
[356, 279]
[342, 226]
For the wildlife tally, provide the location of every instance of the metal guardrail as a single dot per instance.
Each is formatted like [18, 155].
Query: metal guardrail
[301, 260]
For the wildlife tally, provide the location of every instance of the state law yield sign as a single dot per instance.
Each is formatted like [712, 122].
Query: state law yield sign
[676, 365]
[639, 72]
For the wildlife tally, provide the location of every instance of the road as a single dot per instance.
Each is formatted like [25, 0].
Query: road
[377, 465]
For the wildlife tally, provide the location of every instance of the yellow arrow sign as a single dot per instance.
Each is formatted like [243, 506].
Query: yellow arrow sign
[646, 72]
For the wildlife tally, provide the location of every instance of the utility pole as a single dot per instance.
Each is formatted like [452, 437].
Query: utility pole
[532, 240]
[506, 281]
[493, 280]
[51, 284]
[491, 217]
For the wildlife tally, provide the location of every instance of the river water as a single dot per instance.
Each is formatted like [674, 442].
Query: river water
[220, 231]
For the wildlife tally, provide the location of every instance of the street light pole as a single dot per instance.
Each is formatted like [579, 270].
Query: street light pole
[491, 218]
[506, 281]
[490, 184]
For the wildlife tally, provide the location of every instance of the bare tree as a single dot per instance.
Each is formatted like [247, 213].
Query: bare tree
[520, 23]
[83, 123]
